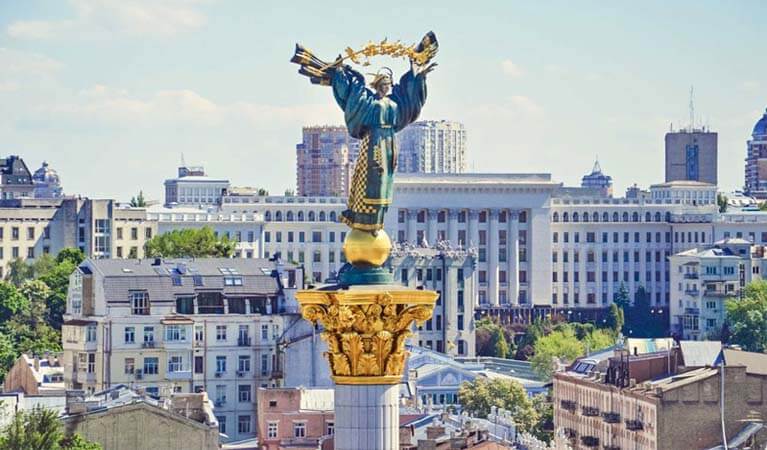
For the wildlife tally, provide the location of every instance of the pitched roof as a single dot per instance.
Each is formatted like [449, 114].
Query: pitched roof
[700, 353]
[756, 363]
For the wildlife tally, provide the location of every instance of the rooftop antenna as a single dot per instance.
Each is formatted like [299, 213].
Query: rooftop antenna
[692, 110]
[183, 162]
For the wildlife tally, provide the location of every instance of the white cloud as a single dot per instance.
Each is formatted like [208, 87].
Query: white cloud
[751, 85]
[99, 18]
[511, 69]
[16, 62]
[525, 104]
[109, 105]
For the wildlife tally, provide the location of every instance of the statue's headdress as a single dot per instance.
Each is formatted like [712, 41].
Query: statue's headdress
[382, 74]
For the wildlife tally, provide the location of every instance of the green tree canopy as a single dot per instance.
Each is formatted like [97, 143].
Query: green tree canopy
[138, 201]
[615, 320]
[190, 243]
[477, 397]
[747, 318]
[560, 345]
[73, 255]
[40, 429]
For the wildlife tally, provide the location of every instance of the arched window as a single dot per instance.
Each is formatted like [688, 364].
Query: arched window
[615, 217]
[278, 216]
[595, 217]
[635, 217]
[657, 216]
[668, 217]
[555, 217]
[625, 217]
[605, 217]
[565, 217]
[300, 216]
[289, 216]
[575, 217]
[585, 217]
[310, 217]
[268, 216]
[322, 216]
[648, 217]
[332, 216]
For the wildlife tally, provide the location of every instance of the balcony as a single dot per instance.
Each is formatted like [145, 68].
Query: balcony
[244, 341]
[691, 276]
[718, 293]
[634, 425]
[693, 292]
[148, 344]
[590, 411]
[85, 377]
[219, 374]
[570, 433]
[692, 311]
[220, 402]
[179, 375]
[568, 405]
[611, 417]
[277, 374]
[590, 441]
[177, 343]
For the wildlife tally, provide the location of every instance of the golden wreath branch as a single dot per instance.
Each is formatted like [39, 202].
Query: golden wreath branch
[384, 48]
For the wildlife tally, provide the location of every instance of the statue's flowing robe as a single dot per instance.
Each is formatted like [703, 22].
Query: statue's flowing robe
[374, 121]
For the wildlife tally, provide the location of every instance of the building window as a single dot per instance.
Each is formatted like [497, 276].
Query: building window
[243, 392]
[221, 424]
[130, 335]
[175, 333]
[176, 363]
[148, 334]
[271, 430]
[220, 364]
[90, 333]
[151, 365]
[130, 366]
[243, 424]
[139, 303]
[220, 332]
[243, 363]
[299, 429]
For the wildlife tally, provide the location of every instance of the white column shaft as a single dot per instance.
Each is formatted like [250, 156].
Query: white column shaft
[366, 417]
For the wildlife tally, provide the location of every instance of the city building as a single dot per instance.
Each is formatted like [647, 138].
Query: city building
[15, 179]
[34, 375]
[120, 418]
[46, 182]
[325, 161]
[295, 418]
[756, 160]
[665, 399]
[432, 146]
[450, 272]
[194, 188]
[691, 155]
[180, 325]
[703, 278]
[598, 180]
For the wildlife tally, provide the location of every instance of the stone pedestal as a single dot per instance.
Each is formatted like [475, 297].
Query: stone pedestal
[366, 417]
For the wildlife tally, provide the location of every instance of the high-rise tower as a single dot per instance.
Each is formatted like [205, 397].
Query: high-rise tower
[432, 146]
[756, 160]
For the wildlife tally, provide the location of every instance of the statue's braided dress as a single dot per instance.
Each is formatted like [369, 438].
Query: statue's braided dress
[375, 120]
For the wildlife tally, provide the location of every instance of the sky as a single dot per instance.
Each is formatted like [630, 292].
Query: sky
[112, 93]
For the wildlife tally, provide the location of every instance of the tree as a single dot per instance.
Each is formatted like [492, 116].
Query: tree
[747, 318]
[560, 345]
[138, 202]
[477, 397]
[721, 200]
[190, 243]
[12, 301]
[262, 192]
[58, 281]
[621, 297]
[73, 255]
[500, 345]
[641, 320]
[290, 193]
[19, 271]
[544, 427]
[40, 429]
[615, 320]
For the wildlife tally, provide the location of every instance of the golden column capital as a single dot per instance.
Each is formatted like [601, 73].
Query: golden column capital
[366, 328]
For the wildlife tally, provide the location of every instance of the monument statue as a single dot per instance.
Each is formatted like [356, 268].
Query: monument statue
[373, 116]
[365, 316]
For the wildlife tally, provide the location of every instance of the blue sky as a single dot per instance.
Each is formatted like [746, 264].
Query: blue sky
[112, 92]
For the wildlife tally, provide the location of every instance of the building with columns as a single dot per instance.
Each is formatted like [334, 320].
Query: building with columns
[505, 217]
[451, 273]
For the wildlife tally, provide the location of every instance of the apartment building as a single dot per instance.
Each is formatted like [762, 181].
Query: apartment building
[450, 272]
[702, 279]
[169, 326]
[652, 401]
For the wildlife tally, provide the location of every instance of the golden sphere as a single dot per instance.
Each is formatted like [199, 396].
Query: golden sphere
[362, 248]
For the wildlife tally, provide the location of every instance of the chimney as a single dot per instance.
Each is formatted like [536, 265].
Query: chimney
[434, 431]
